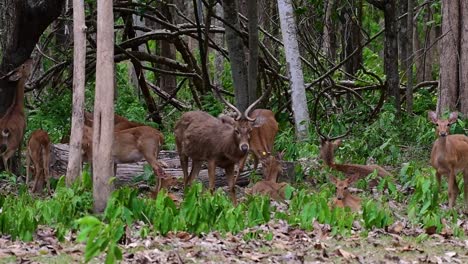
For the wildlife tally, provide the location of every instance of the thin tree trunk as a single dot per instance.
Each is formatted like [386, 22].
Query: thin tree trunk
[464, 59]
[252, 12]
[449, 57]
[391, 52]
[79, 64]
[103, 133]
[328, 30]
[291, 47]
[219, 40]
[409, 60]
[168, 83]
[236, 55]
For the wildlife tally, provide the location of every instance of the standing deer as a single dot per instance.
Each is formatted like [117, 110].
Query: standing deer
[221, 142]
[131, 145]
[450, 155]
[39, 153]
[13, 123]
[343, 197]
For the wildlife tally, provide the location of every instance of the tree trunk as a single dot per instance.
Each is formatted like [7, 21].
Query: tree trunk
[21, 25]
[449, 73]
[236, 54]
[409, 59]
[328, 30]
[79, 64]
[103, 134]
[167, 82]
[391, 52]
[463, 59]
[291, 47]
[252, 12]
[352, 36]
[219, 40]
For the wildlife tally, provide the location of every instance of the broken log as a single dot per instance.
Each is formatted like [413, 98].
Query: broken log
[127, 172]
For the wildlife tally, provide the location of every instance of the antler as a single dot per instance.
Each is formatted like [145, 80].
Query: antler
[317, 127]
[247, 111]
[238, 112]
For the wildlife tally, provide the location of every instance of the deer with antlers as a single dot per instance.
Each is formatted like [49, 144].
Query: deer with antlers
[450, 155]
[38, 152]
[343, 197]
[13, 123]
[221, 142]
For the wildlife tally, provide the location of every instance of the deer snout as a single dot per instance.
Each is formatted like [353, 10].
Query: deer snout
[244, 148]
[443, 134]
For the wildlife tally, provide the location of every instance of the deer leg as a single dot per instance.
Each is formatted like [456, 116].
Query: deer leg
[211, 175]
[184, 166]
[255, 158]
[465, 189]
[5, 163]
[241, 165]
[196, 167]
[439, 180]
[28, 167]
[45, 164]
[231, 178]
[452, 188]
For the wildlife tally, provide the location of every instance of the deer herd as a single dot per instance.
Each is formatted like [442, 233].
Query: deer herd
[222, 141]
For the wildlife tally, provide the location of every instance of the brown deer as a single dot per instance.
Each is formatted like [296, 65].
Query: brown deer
[221, 142]
[39, 153]
[131, 145]
[275, 191]
[272, 167]
[13, 123]
[450, 155]
[343, 197]
[120, 122]
[327, 148]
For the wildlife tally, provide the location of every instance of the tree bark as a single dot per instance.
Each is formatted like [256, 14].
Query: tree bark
[21, 25]
[252, 12]
[328, 30]
[79, 64]
[449, 62]
[103, 133]
[219, 40]
[409, 59]
[391, 52]
[236, 55]
[291, 47]
[463, 59]
[352, 36]
[167, 82]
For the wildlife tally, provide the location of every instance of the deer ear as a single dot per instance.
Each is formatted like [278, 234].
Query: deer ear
[336, 143]
[433, 117]
[333, 179]
[453, 117]
[352, 179]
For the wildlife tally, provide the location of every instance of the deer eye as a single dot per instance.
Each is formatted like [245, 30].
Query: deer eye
[237, 131]
[346, 188]
[448, 124]
[437, 124]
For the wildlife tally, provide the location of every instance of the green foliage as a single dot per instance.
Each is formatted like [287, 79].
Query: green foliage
[376, 215]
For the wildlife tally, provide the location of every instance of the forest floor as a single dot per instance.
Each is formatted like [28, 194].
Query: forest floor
[274, 242]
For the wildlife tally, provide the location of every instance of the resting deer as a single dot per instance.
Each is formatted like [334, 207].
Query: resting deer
[262, 136]
[343, 197]
[272, 167]
[450, 155]
[13, 123]
[131, 145]
[275, 191]
[39, 153]
[202, 137]
[327, 148]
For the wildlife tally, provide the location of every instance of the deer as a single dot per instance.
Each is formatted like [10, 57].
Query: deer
[13, 123]
[327, 148]
[131, 145]
[343, 197]
[221, 142]
[38, 151]
[275, 191]
[262, 137]
[120, 122]
[272, 167]
[449, 155]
